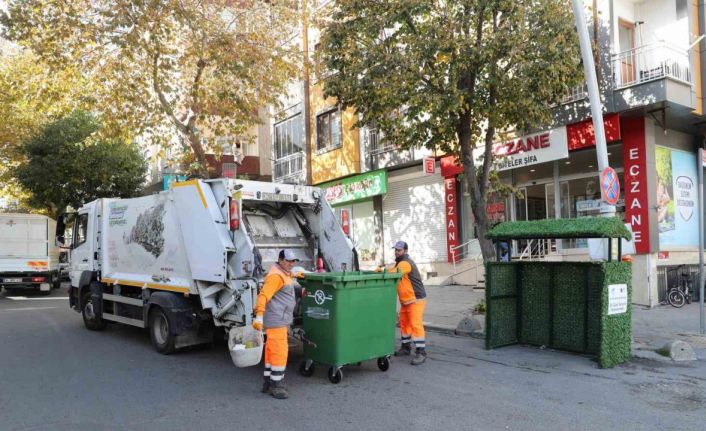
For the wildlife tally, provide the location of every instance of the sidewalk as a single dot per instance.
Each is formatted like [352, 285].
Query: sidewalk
[449, 310]
[653, 328]
[449, 306]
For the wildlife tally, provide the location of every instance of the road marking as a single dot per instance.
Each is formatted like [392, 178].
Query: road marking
[24, 298]
[28, 309]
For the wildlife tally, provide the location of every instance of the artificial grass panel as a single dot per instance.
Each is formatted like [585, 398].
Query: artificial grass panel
[503, 324]
[594, 308]
[535, 305]
[568, 322]
[616, 330]
[501, 303]
[584, 227]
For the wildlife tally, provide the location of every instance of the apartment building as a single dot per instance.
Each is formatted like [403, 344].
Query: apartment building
[649, 59]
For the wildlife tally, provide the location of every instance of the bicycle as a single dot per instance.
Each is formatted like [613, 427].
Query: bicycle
[680, 294]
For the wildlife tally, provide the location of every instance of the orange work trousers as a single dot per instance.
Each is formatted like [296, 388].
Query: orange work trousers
[276, 351]
[412, 323]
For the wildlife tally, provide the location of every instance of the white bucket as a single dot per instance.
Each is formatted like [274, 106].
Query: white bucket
[245, 346]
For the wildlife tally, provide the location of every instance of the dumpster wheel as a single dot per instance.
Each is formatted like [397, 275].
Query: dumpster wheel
[384, 363]
[306, 368]
[335, 375]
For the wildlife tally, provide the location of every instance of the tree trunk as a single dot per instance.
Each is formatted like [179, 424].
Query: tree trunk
[474, 186]
[199, 153]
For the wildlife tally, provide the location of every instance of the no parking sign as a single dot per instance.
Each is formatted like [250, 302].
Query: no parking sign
[610, 186]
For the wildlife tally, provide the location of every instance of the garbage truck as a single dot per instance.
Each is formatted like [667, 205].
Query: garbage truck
[189, 260]
[29, 258]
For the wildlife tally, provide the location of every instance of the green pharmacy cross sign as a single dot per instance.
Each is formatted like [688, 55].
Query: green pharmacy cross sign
[356, 188]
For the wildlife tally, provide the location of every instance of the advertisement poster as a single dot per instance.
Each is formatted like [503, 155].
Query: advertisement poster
[677, 215]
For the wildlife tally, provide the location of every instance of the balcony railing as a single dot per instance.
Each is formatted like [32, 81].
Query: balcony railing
[649, 63]
[289, 167]
[377, 145]
[576, 93]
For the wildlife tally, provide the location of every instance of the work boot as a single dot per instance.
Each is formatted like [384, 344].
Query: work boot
[265, 385]
[405, 350]
[277, 390]
[419, 357]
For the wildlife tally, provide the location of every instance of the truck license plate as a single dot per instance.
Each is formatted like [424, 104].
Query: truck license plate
[12, 280]
[276, 197]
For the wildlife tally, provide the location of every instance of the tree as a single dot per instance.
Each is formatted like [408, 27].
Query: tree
[452, 74]
[30, 96]
[170, 68]
[67, 166]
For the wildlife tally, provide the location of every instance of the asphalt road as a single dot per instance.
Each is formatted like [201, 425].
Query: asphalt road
[56, 375]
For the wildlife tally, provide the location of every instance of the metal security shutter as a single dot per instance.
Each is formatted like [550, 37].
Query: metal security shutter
[413, 211]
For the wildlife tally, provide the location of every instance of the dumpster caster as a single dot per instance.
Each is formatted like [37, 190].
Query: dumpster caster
[384, 363]
[335, 375]
[306, 371]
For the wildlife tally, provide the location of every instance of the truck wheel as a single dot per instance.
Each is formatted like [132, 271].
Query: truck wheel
[161, 332]
[56, 282]
[90, 320]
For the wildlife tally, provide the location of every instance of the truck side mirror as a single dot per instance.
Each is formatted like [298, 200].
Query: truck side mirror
[60, 241]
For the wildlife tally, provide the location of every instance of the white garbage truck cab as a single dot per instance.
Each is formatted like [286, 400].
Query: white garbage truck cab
[187, 260]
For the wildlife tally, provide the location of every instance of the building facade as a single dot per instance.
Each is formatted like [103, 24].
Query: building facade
[650, 75]
[648, 58]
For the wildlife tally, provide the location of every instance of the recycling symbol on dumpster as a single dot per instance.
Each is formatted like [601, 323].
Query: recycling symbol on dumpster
[320, 297]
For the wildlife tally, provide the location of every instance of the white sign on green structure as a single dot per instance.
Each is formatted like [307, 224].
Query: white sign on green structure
[356, 188]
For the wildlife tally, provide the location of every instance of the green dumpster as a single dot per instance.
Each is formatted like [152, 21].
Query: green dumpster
[348, 317]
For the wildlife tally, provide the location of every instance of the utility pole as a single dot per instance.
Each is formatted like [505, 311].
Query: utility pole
[306, 84]
[589, 70]
[700, 165]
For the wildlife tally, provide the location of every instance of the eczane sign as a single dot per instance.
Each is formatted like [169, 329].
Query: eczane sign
[532, 149]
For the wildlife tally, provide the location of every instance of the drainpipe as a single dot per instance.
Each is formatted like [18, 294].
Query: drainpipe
[589, 70]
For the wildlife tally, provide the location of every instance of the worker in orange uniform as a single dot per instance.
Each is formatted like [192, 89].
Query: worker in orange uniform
[412, 296]
[275, 311]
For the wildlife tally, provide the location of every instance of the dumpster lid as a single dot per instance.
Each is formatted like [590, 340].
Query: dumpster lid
[584, 227]
[351, 276]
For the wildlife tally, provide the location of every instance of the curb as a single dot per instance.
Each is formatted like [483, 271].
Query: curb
[449, 330]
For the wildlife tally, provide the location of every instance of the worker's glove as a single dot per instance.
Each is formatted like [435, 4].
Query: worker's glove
[379, 269]
[257, 323]
[299, 274]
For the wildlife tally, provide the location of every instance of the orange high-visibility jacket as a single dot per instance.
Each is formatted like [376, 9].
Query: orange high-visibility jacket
[276, 300]
[410, 288]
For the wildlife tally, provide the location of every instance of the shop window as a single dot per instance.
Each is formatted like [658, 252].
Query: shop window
[328, 130]
[563, 200]
[531, 204]
[583, 196]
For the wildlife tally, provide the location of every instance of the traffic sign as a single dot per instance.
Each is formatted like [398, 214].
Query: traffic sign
[610, 186]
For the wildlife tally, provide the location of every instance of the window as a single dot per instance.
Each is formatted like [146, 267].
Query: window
[81, 230]
[288, 137]
[328, 130]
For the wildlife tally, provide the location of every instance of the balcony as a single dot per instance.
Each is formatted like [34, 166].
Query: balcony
[290, 169]
[381, 153]
[575, 94]
[651, 75]
[649, 63]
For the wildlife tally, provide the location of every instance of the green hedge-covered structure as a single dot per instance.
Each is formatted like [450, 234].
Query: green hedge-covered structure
[562, 305]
